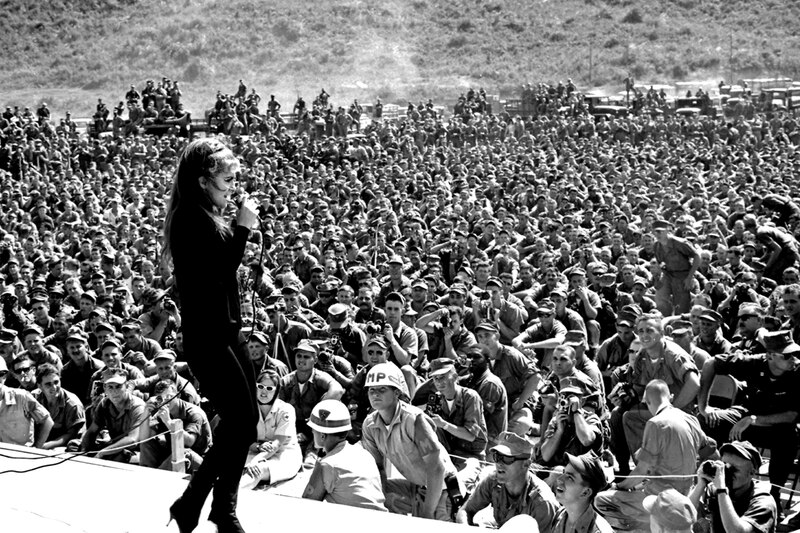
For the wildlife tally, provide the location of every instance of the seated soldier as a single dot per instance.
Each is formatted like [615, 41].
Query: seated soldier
[163, 406]
[512, 489]
[119, 412]
[64, 407]
[346, 474]
[356, 396]
[576, 427]
[307, 386]
[165, 369]
[767, 413]
[457, 413]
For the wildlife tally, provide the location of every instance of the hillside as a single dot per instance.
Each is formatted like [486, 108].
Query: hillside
[72, 51]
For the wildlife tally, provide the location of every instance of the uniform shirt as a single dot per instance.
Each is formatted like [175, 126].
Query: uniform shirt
[351, 477]
[303, 397]
[537, 333]
[676, 255]
[756, 506]
[612, 353]
[570, 443]
[495, 401]
[66, 411]
[765, 394]
[279, 422]
[398, 442]
[588, 522]
[467, 412]
[514, 370]
[670, 445]
[718, 346]
[19, 411]
[194, 421]
[672, 367]
[120, 421]
[406, 337]
[536, 500]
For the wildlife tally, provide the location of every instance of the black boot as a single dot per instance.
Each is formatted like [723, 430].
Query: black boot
[186, 515]
[226, 522]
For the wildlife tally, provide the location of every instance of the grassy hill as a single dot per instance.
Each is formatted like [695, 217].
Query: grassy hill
[71, 51]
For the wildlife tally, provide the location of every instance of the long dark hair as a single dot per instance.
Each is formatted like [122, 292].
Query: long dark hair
[201, 158]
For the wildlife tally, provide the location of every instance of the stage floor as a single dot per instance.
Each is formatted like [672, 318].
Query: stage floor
[92, 496]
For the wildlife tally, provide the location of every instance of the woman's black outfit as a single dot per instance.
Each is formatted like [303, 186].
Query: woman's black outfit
[205, 265]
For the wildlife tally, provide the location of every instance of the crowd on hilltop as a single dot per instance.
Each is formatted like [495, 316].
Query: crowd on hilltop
[562, 296]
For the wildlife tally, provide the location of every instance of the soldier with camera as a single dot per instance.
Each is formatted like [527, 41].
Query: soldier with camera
[346, 339]
[457, 413]
[575, 427]
[728, 497]
[767, 414]
[160, 318]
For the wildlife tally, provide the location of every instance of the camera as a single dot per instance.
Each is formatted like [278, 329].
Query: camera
[485, 295]
[563, 405]
[434, 405]
[335, 341]
[374, 328]
[324, 357]
[742, 290]
[444, 319]
[709, 468]
[169, 304]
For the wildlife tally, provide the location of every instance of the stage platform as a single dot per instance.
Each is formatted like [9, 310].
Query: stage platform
[94, 496]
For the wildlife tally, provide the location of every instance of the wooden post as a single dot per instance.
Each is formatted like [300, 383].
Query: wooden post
[176, 437]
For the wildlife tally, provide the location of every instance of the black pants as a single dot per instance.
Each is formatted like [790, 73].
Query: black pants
[227, 379]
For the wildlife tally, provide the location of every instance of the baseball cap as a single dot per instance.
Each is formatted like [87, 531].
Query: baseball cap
[559, 291]
[780, 342]
[77, 336]
[165, 354]
[671, 509]
[306, 345]
[590, 467]
[575, 336]
[458, 288]
[32, 329]
[750, 309]
[744, 449]
[512, 445]
[711, 315]
[486, 326]
[494, 282]
[258, 337]
[394, 260]
[115, 378]
[337, 313]
[378, 340]
[441, 366]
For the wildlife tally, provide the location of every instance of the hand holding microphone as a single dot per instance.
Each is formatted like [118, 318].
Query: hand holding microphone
[248, 210]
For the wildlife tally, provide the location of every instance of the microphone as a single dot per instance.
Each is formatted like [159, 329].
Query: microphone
[237, 199]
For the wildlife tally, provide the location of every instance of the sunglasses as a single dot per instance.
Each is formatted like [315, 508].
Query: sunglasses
[505, 459]
[268, 388]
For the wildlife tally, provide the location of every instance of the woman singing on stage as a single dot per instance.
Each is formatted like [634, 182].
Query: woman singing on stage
[206, 251]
